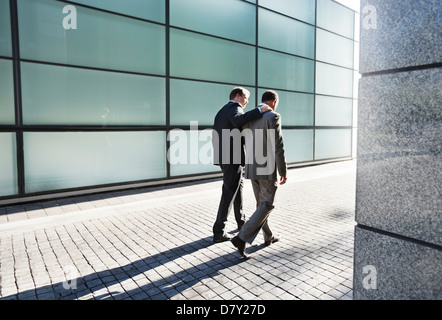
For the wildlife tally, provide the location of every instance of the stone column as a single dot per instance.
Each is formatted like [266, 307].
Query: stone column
[398, 237]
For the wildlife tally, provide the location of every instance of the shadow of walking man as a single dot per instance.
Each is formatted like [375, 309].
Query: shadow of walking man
[168, 286]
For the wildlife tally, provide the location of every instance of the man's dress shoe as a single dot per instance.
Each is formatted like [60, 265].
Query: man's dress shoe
[241, 246]
[221, 239]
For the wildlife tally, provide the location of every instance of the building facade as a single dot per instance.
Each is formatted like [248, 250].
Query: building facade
[90, 90]
[398, 238]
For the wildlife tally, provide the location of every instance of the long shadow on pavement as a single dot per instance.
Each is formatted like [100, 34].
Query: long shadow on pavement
[163, 288]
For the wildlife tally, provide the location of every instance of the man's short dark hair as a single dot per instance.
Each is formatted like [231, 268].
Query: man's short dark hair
[238, 90]
[269, 95]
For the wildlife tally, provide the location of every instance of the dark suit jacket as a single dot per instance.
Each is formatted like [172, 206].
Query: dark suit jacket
[264, 148]
[229, 118]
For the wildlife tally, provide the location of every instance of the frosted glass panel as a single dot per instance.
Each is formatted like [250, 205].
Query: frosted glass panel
[299, 9]
[199, 101]
[334, 49]
[5, 29]
[8, 164]
[332, 143]
[331, 111]
[334, 81]
[63, 160]
[233, 19]
[296, 109]
[101, 40]
[203, 57]
[286, 34]
[335, 17]
[60, 95]
[7, 115]
[151, 9]
[191, 152]
[298, 145]
[282, 71]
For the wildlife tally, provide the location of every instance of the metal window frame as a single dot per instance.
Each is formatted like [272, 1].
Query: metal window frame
[19, 128]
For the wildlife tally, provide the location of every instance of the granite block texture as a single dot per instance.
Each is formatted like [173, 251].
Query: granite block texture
[399, 154]
[398, 34]
[390, 268]
[398, 237]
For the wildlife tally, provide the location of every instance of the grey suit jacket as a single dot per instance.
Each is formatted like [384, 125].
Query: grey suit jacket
[264, 144]
[229, 117]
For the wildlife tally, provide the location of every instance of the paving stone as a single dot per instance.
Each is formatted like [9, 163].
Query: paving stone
[46, 296]
[156, 243]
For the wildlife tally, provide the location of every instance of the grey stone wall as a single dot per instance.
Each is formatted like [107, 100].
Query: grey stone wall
[398, 237]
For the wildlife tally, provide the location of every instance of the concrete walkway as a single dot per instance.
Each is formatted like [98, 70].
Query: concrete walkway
[156, 243]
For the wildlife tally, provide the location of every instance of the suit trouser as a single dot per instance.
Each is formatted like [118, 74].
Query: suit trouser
[264, 191]
[231, 194]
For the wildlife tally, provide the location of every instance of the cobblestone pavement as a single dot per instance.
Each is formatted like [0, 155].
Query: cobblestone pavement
[156, 243]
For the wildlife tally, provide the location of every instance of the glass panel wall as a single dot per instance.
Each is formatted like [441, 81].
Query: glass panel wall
[232, 19]
[98, 39]
[335, 81]
[190, 152]
[154, 10]
[63, 160]
[332, 143]
[334, 49]
[335, 17]
[200, 101]
[206, 58]
[280, 36]
[5, 29]
[332, 111]
[286, 72]
[300, 9]
[102, 83]
[60, 95]
[298, 145]
[7, 113]
[8, 164]
[296, 108]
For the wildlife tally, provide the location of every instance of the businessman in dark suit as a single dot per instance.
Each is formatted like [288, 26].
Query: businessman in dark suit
[228, 147]
[263, 141]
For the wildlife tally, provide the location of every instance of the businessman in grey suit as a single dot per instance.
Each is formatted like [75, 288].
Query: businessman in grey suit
[230, 157]
[265, 157]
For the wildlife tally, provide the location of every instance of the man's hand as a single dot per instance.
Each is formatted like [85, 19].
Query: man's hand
[282, 180]
[265, 108]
